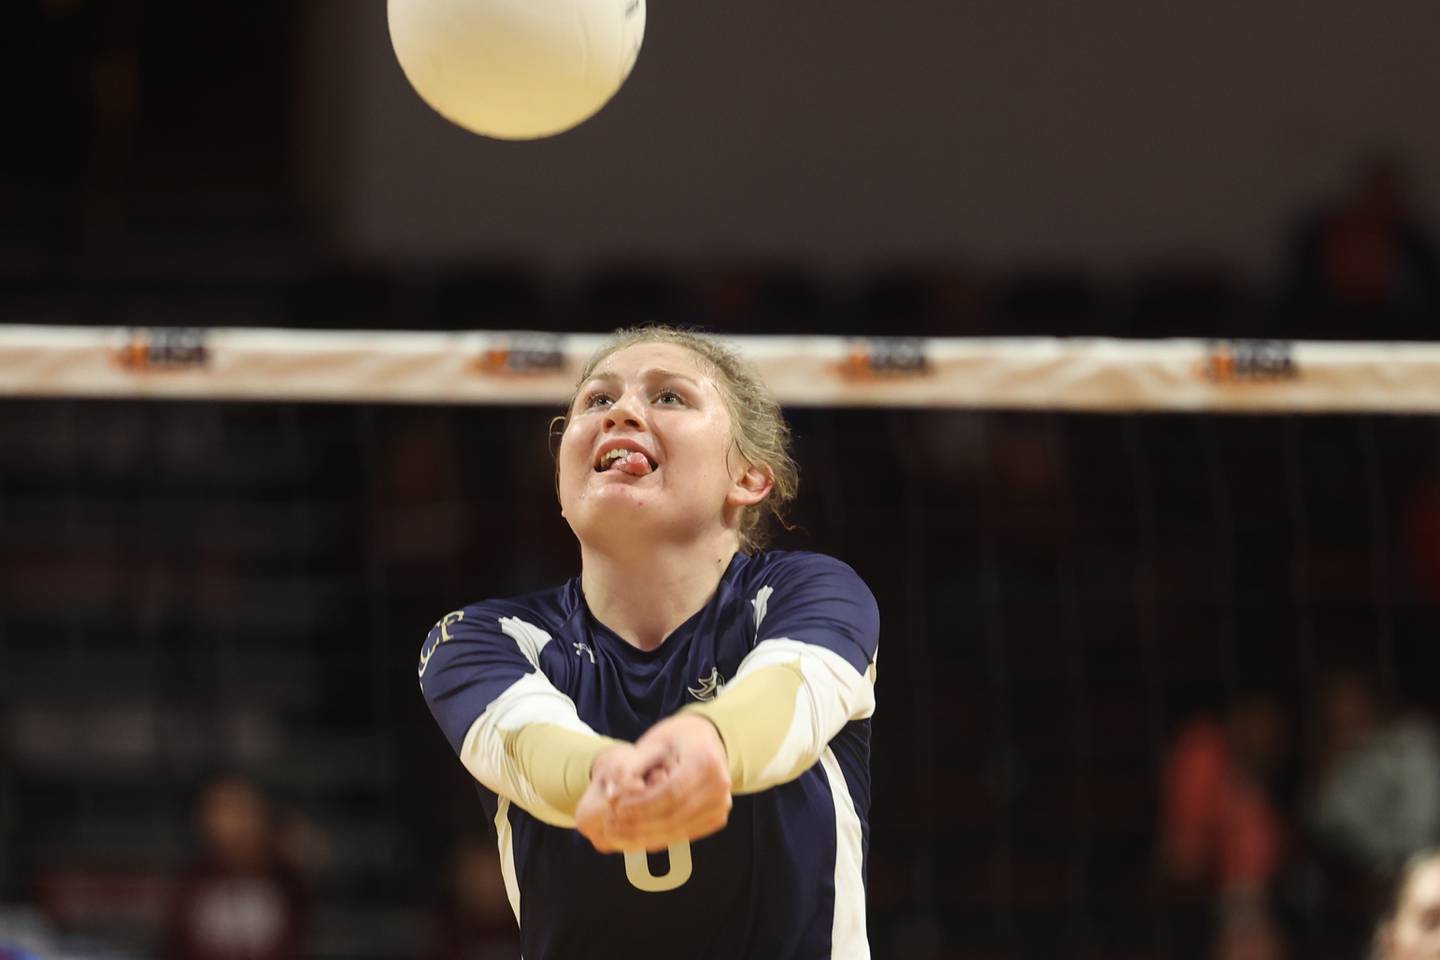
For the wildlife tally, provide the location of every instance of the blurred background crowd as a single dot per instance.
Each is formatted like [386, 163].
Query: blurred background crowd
[1156, 685]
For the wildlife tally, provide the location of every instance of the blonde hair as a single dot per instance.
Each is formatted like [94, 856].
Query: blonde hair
[758, 431]
[1397, 894]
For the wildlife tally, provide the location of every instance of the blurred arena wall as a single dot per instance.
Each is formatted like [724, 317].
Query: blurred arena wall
[846, 133]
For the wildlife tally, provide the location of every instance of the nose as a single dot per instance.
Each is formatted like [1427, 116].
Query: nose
[624, 411]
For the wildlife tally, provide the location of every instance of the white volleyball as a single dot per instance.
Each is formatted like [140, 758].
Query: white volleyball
[517, 69]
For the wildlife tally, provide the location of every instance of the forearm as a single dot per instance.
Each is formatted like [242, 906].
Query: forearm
[786, 703]
[531, 747]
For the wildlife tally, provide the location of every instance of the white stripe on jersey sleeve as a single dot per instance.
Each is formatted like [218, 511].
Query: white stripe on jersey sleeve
[761, 604]
[848, 939]
[529, 638]
[833, 694]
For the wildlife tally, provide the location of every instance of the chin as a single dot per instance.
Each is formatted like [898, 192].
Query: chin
[613, 534]
[601, 513]
[611, 496]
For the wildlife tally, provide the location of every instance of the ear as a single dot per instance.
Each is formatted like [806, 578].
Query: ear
[752, 485]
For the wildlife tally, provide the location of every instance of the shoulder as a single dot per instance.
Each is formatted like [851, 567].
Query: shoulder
[786, 567]
[797, 581]
[542, 614]
[493, 640]
[793, 563]
[814, 599]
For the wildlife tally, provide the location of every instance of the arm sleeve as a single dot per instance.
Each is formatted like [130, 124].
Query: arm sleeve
[515, 732]
[811, 671]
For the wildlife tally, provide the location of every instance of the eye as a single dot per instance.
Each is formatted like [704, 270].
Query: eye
[597, 399]
[669, 398]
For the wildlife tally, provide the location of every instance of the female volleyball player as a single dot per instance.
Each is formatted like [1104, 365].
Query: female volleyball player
[1410, 930]
[674, 745]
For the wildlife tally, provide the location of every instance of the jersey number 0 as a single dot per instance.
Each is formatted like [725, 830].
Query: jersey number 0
[637, 869]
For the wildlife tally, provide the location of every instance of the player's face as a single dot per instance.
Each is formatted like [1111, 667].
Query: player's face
[1414, 934]
[647, 450]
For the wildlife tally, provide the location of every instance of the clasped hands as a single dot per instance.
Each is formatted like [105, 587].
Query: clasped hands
[670, 786]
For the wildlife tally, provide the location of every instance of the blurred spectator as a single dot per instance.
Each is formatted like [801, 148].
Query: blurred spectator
[24, 934]
[1377, 797]
[475, 922]
[240, 900]
[1410, 927]
[1422, 533]
[1364, 267]
[1222, 836]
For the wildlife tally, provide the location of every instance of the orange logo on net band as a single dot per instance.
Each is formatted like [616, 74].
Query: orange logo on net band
[523, 356]
[1249, 361]
[164, 348]
[885, 357]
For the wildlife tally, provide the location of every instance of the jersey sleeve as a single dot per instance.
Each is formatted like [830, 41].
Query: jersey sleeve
[819, 601]
[514, 731]
[810, 672]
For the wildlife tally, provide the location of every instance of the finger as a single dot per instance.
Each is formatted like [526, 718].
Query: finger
[594, 817]
[698, 816]
[695, 814]
[601, 834]
[617, 765]
[653, 802]
[590, 817]
[709, 822]
[617, 780]
[683, 812]
[691, 779]
[653, 836]
[653, 754]
[617, 792]
[658, 783]
[633, 833]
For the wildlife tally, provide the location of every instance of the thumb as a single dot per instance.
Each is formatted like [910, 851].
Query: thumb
[652, 753]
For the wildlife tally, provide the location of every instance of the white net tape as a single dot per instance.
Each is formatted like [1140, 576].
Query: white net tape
[535, 368]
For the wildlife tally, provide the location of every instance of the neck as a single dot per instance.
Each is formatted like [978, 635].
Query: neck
[644, 595]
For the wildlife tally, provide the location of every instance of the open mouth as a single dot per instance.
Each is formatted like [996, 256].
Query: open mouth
[630, 460]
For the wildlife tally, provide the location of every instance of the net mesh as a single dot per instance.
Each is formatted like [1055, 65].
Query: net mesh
[203, 584]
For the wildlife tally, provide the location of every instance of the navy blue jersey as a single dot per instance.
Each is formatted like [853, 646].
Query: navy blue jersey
[784, 879]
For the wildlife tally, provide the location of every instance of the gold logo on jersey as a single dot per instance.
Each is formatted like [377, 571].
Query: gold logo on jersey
[709, 687]
[443, 625]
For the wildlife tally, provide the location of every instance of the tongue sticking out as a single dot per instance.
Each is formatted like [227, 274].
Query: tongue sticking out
[633, 463]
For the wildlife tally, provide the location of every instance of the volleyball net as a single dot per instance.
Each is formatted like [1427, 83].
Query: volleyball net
[1079, 548]
[814, 371]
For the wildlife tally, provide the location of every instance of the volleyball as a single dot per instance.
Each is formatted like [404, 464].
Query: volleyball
[517, 69]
